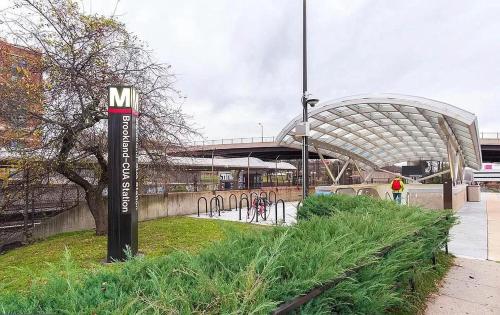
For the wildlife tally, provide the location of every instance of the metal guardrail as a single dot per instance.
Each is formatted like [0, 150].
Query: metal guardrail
[40, 207]
[482, 135]
[489, 135]
[234, 141]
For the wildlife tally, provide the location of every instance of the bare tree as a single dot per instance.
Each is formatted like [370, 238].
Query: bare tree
[82, 55]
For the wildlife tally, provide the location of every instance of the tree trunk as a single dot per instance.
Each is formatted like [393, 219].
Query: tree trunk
[98, 209]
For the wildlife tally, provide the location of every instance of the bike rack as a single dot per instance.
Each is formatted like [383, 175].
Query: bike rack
[257, 202]
[276, 209]
[245, 196]
[241, 204]
[206, 205]
[272, 193]
[217, 205]
[388, 196]
[221, 202]
[235, 201]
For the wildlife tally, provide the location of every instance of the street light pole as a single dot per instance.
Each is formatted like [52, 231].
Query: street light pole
[261, 131]
[305, 146]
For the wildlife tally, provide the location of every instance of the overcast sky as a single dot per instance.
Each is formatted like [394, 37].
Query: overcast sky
[239, 61]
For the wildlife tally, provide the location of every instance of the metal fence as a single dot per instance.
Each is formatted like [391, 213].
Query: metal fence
[24, 206]
[482, 135]
[234, 141]
[489, 135]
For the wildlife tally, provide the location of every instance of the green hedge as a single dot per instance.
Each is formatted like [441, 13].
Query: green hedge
[253, 273]
[385, 286]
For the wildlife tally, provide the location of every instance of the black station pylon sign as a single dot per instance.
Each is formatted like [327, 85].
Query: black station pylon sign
[123, 202]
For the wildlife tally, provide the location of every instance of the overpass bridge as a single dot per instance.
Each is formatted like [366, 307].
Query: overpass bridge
[267, 148]
[490, 146]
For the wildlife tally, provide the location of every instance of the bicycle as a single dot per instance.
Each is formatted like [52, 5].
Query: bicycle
[259, 206]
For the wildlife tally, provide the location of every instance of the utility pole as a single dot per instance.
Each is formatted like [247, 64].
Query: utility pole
[305, 145]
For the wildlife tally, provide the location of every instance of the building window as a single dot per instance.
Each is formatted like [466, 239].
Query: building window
[16, 69]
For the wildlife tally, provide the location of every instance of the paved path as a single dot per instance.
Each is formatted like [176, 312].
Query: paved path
[493, 210]
[470, 287]
[469, 238]
[478, 233]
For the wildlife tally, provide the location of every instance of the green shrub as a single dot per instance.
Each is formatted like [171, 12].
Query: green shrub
[323, 205]
[253, 273]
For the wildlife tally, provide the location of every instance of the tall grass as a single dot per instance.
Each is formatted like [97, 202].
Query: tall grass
[253, 273]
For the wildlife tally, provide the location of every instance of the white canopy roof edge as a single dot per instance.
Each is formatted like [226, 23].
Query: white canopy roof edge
[383, 129]
[231, 163]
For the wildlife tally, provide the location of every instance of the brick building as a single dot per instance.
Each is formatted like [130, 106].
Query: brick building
[20, 92]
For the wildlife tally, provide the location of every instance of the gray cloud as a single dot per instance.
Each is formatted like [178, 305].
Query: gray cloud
[239, 62]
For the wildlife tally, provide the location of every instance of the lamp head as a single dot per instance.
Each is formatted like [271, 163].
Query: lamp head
[312, 102]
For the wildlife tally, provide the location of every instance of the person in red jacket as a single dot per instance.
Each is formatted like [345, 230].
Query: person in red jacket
[397, 187]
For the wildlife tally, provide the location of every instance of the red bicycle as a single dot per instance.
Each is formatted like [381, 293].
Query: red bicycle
[259, 207]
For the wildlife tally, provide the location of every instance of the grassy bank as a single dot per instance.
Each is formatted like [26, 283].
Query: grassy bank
[156, 238]
[254, 272]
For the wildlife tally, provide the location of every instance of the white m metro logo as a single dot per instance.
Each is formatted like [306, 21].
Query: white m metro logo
[123, 97]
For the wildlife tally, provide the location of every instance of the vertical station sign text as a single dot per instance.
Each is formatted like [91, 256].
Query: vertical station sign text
[123, 112]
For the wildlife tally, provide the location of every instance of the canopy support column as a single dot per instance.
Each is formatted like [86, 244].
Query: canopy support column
[358, 169]
[433, 175]
[368, 176]
[409, 179]
[456, 171]
[452, 160]
[324, 163]
[342, 170]
[455, 156]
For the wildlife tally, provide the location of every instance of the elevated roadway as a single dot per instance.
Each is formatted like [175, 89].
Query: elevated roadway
[490, 146]
[266, 148]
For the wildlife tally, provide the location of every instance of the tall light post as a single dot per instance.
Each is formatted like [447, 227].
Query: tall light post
[305, 102]
[261, 131]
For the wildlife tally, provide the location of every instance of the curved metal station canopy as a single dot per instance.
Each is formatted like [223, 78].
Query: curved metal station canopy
[384, 129]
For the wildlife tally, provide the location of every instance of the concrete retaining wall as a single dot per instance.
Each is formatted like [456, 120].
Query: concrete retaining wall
[184, 203]
[152, 207]
[429, 196]
[459, 197]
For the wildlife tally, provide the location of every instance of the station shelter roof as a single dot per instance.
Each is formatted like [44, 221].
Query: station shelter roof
[384, 129]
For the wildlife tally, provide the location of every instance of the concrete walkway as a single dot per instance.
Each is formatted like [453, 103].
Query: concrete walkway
[469, 238]
[470, 287]
[493, 210]
[478, 233]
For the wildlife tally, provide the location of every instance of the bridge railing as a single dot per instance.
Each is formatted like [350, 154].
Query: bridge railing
[234, 141]
[489, 135]
[482, 135]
